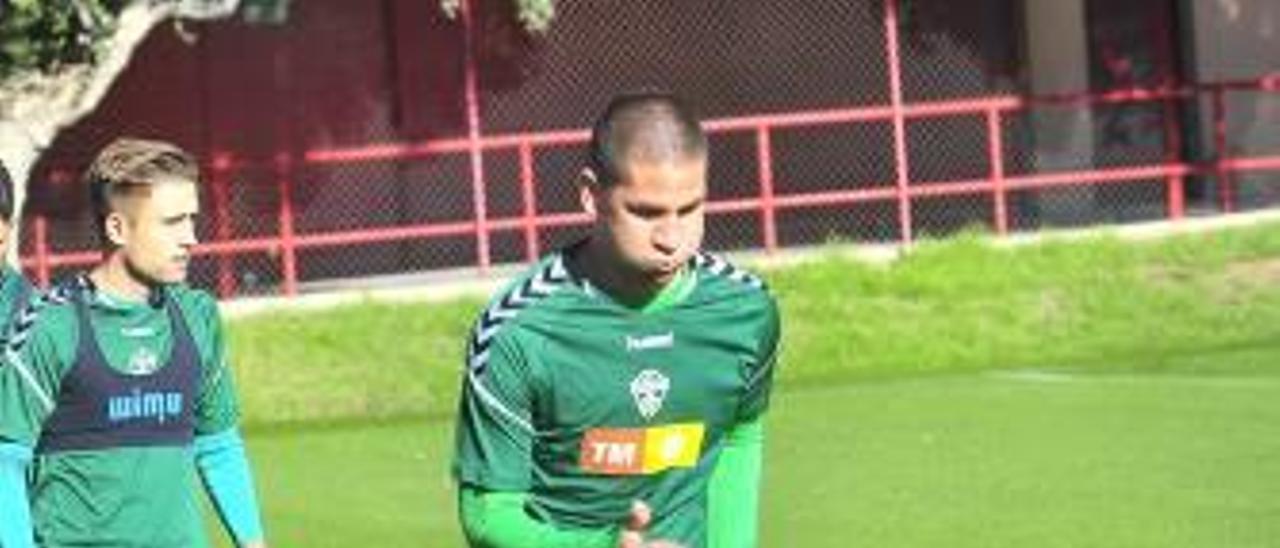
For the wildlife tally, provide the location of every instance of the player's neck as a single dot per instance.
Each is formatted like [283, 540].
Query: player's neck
[598, 266]
[115, 278]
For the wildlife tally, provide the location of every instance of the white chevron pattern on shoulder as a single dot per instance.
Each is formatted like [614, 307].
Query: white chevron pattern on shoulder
[720, 267]
[21, 330]
[541, 284]
[536, 287]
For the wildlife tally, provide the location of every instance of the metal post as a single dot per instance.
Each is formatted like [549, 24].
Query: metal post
[42, 250]
[529, 202]
[222, 162]
[901, 163]
[995, 155]
[288, 239]
[768, 209]
[1176, 193]
[1226, 192]
[471, 76]
[1177, 201]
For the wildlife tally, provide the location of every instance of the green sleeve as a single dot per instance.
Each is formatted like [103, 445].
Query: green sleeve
[495, 432]
[15, 529]
[498, 520]
[217, 408]
[15, 294]
[38, 352]
[733, 498]
[759, 371]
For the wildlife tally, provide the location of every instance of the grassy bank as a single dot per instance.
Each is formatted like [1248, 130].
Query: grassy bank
[956, 305]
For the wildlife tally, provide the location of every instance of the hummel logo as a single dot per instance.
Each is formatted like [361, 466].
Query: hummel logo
[137, 332]
[651, 342]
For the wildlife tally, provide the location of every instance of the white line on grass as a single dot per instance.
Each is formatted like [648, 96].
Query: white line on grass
[1051, 377]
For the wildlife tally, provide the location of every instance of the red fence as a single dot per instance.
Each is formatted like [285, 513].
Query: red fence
[995, 190]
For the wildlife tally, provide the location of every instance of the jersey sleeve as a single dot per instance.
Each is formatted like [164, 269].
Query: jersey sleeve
[217, 407]
[499, 520]
[36, 355]
[224, 468]
[495, 432]
[15, 528]
[733, 496]
[17, 294]
[759, 371]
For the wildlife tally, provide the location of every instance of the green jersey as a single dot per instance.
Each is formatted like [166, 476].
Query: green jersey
[587, 404]
[15, 291]
[110, 394]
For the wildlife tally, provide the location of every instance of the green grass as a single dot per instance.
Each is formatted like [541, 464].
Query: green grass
[1182, 457]
[956, 305]
[1093, 393]
[352, 362]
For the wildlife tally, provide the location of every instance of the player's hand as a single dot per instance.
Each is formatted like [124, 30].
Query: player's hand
[637, 523]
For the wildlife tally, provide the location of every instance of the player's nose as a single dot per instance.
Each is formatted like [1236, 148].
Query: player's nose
[667, 237]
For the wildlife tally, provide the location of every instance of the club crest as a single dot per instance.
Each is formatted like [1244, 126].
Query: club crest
[143, 362]
[649, 389]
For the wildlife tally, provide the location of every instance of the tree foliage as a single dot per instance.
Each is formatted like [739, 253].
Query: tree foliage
[46, 35]
[535, 15]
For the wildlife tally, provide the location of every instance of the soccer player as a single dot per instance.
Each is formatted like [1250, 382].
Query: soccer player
[613, 394]
[15, 290]
[116, 380]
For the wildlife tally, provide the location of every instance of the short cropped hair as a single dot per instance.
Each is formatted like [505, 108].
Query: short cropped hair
[644, 126]
[6, 194]
[128, 166]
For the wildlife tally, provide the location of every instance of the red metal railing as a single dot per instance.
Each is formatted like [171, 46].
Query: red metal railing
[529, 223]
[997, 185]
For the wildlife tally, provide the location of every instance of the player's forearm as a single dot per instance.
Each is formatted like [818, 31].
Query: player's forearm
[734, 493]
[224, 467]
[15, 528]
[498, 520]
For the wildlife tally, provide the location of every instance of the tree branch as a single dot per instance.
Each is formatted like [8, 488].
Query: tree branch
[35, 106]
[46, 103]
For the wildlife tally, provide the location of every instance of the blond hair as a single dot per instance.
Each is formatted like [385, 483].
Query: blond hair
[129, 166]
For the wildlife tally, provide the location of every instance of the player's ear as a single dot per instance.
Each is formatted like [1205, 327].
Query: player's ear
[115, 228]
[588, 191]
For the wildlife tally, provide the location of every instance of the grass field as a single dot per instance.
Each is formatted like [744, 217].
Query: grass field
[1185, 458]
[1093, 394]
